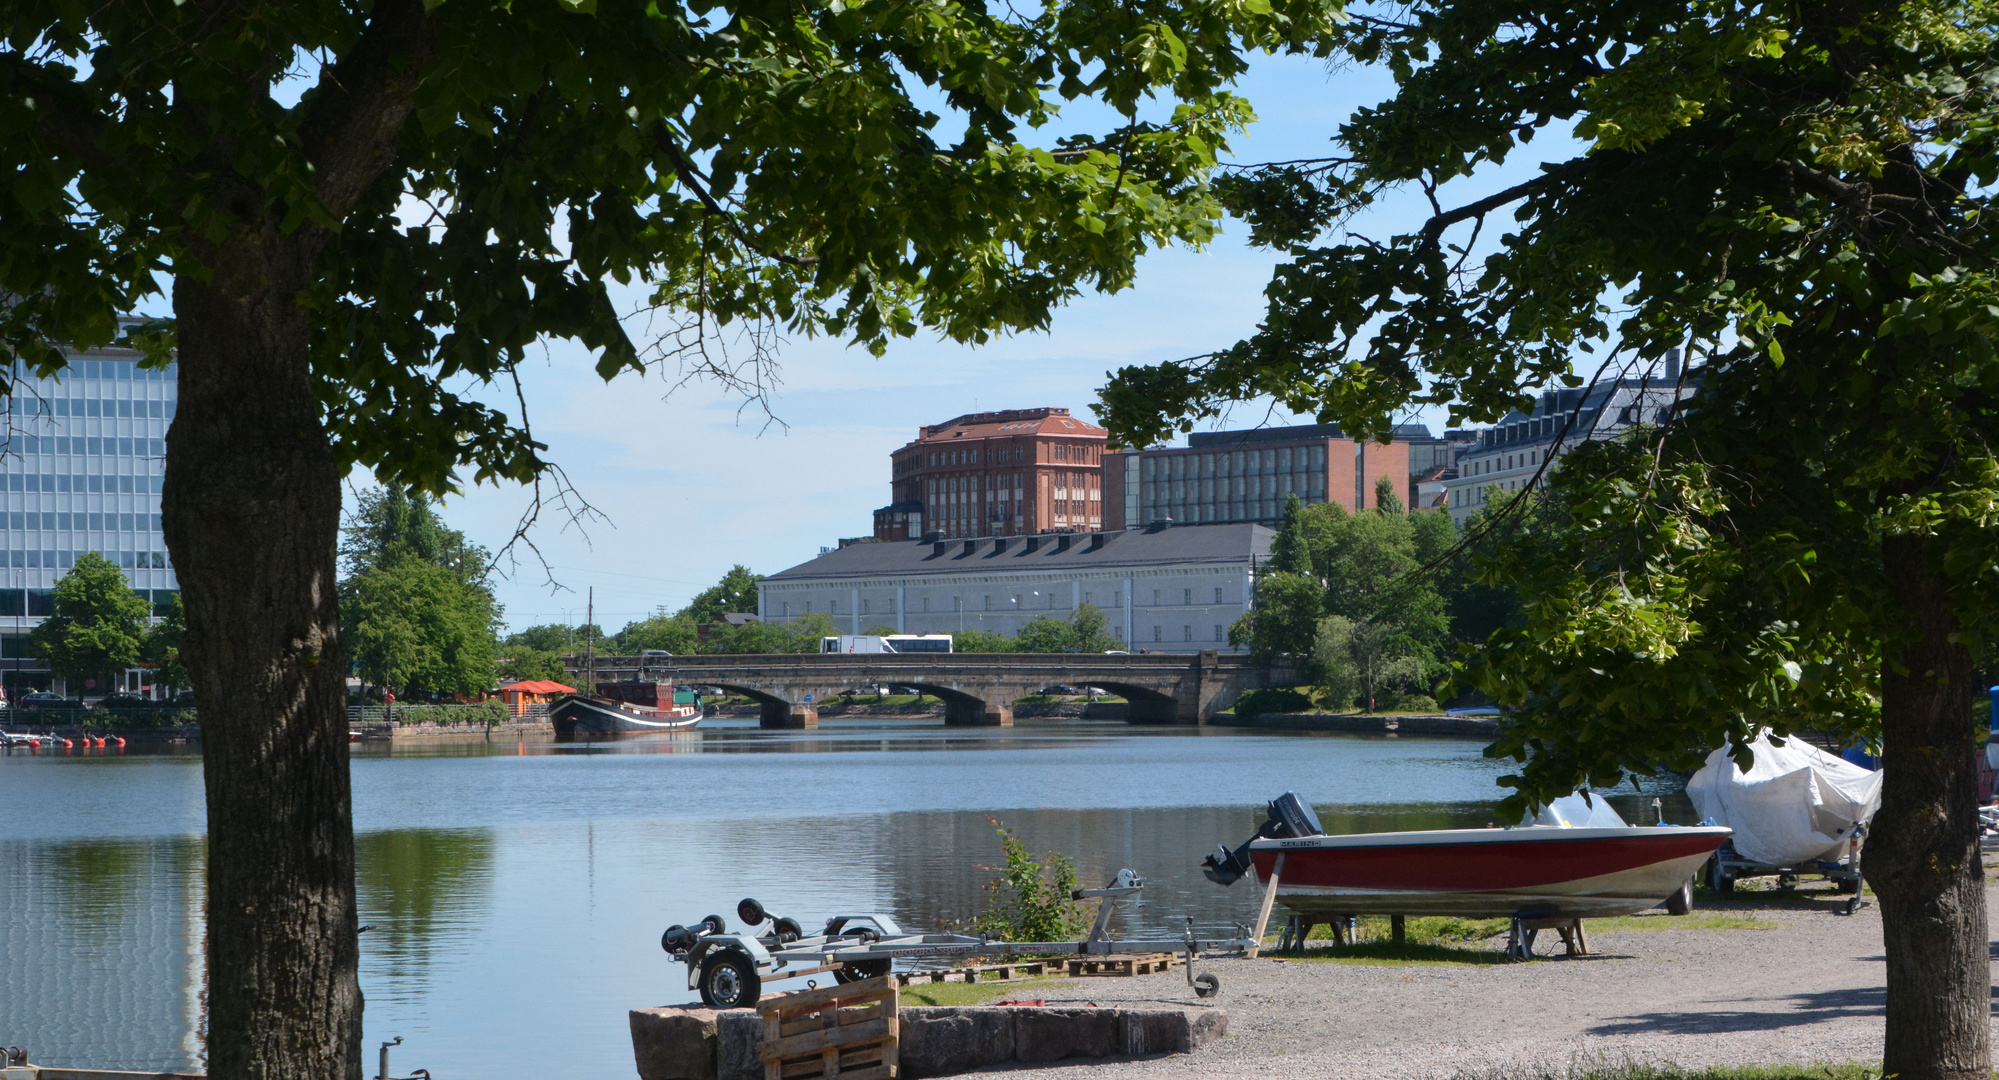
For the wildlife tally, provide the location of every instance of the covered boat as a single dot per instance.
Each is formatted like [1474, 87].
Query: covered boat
[1575, 859]
[625, 707]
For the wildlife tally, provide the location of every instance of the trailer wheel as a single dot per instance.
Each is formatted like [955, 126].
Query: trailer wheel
[1718, 881]
[788, 930]
[1682, 901]
[714, 924]
[729, 980]
[1849, 886]
[1207, 985]
[856, 970]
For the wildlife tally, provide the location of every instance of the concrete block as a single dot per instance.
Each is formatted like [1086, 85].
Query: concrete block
[942, 1041]
[674, 1044]
[1054, 1034]
[737, 1033]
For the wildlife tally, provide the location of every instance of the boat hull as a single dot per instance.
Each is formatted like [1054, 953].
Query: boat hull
[1543, 872]
[600, 716]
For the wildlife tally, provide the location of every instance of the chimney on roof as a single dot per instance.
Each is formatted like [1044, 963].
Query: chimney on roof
[1673, 364]
[1062, 542]
[937, 547]
[1033, 543]
[1096, 541]
[971, 547]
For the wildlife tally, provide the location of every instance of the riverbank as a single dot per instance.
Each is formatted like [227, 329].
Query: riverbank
[1437, 724]
[1803, 987]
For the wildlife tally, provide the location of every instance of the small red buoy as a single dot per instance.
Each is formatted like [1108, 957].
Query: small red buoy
[121, 741]
[66, 744]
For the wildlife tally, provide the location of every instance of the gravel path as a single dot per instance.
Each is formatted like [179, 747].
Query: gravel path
[1807, 989]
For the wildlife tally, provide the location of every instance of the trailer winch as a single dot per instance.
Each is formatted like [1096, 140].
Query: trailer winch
[729, 969]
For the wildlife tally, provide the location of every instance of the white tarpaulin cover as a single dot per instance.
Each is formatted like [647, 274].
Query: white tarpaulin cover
[1795, 804]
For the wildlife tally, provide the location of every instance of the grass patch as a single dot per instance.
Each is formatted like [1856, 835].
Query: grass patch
[1851, 1070]
[1424, 929]
[980, 993]
[1696, 921]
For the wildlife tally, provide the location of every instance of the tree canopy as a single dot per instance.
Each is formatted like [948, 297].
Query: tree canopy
[737, 591]
[1799, 197]
[416, 609]
[97, 625]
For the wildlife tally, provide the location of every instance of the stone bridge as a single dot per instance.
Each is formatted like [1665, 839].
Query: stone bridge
[977, 688]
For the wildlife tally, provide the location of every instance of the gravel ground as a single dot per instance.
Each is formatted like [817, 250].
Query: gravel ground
[1807, 989]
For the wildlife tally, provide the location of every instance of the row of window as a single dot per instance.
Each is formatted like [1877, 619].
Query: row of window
[1278, 459]
[92, 483]
[19, 521]
[33, 603]
[1187, 633]
[87, 445]
[120, 370]
[63, 560]
[1023, 601]
[128, 408]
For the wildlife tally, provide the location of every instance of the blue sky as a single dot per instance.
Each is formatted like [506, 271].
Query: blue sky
[691, 484]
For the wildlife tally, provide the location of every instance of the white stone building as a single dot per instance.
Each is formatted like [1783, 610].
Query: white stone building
[1163, 589]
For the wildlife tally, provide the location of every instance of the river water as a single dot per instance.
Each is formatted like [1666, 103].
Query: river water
[518, 890]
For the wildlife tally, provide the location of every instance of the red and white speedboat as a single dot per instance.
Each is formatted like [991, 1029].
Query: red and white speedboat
[1575, 861]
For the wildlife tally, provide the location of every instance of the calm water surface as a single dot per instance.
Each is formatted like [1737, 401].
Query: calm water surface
[519, 889]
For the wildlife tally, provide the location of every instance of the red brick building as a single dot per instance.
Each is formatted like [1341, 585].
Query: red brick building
[1016, 472]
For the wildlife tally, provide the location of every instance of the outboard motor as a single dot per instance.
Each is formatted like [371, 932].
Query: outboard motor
[1287, 817]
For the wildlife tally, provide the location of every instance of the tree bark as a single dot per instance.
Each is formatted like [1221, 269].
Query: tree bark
[1923, 858]
[251, 507]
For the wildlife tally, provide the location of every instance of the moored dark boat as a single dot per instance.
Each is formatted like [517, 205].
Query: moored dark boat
[618, 708]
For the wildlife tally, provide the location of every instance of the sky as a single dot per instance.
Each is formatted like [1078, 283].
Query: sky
[690, 483]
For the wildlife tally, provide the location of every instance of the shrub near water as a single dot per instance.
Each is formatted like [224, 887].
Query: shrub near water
[1030, 901]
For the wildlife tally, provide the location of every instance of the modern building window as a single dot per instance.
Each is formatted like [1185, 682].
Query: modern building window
[865, 605]
[1187, 599]
[1155, 598]
[1188, 633]
[1159, 633]
[989, 603]
[1220, 633]
[1218, 594]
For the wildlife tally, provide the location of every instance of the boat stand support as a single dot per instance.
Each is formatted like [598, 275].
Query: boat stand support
[1269, 898]
[1522, 932]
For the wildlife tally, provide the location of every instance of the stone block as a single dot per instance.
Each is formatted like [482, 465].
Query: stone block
[1205, 1026]
[674, 1044]
[737, 1034]
[1054, 1034]
[943, 1041]
[1143, 1032]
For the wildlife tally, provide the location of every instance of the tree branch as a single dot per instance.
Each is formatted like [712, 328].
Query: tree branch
[690, 178]
[1433, 229]
[363, 101]
[69, 123]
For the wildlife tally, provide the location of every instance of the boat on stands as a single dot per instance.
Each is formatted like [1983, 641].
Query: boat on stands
[1574, 859]
[625, 707]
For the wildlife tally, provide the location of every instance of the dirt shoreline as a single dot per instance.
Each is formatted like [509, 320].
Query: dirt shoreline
[1807, 989]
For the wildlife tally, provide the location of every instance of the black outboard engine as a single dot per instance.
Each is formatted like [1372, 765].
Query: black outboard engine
[1288, 817]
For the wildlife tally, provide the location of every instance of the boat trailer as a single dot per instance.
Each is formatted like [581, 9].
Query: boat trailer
[1728, 867]
[730, 968]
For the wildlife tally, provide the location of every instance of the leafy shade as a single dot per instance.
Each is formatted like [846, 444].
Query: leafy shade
[737, 591]
[97, 627]
[162, 649]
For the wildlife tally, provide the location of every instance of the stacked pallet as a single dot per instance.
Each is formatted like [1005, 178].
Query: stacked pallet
[849, 1031]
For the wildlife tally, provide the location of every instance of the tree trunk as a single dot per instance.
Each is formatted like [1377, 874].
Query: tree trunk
[1923, 857]
[251, 505]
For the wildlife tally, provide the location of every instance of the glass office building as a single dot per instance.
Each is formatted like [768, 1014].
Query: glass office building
[84, 453]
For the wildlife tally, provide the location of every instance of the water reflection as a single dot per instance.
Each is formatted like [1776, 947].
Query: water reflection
[100, 951]
[423, 890]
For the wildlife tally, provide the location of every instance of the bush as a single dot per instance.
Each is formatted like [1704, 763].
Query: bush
[1275, 700]
[1409, 703]
[490, 713]
[1029, 901]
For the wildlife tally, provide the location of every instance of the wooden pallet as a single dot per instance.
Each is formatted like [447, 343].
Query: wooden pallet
[1133, 964]
[849, 1031]
[983, 973]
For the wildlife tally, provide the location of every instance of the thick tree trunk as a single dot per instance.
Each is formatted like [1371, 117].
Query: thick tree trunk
[252, 515]
[1923, 858]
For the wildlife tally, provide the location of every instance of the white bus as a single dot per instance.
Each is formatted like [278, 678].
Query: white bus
[885, 643]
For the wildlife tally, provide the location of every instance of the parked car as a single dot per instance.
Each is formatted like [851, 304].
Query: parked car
[43, 699]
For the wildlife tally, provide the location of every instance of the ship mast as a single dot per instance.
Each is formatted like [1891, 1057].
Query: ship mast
[590, 643]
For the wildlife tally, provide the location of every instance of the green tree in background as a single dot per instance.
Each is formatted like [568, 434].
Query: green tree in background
[737, 591]
[162, 648]
[414, 626]
[800, 635]
[1801, 197]
[981, 641]
[96, 628]
[1281, 625]
[1087, 631]
[677, 634]
[416, 610]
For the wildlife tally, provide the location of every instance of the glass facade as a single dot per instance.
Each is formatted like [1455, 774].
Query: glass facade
[81, 463]
[1200, 487]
